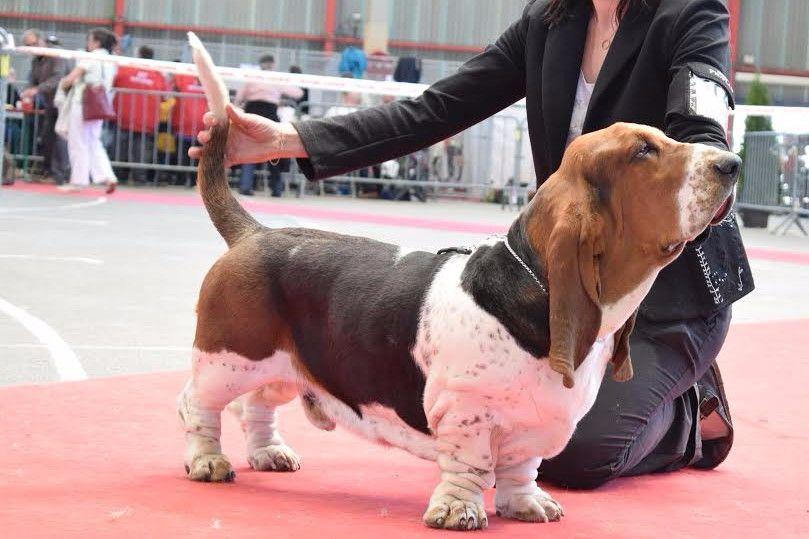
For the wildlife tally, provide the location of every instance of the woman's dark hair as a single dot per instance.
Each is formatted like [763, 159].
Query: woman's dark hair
[106, 38]
[557, 9]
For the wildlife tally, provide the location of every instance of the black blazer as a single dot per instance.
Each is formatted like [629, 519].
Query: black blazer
[638, 83]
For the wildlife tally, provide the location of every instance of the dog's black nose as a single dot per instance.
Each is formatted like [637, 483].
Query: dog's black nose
[728, 166]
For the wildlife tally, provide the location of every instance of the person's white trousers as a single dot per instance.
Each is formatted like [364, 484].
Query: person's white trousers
[88, 158]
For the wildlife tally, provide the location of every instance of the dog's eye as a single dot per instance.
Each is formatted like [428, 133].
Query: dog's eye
[644, 150]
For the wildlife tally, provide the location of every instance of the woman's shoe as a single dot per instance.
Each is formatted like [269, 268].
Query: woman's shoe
[715, 423]
[68, 188]
[111, 185]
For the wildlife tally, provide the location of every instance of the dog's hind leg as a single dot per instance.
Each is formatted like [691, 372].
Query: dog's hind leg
[217, 379]
[201, 417]
[266, 450]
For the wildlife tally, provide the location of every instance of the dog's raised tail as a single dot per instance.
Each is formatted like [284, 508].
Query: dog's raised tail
[228, 216]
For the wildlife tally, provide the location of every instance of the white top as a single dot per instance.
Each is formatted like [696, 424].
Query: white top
[584, 91]
[95, 73]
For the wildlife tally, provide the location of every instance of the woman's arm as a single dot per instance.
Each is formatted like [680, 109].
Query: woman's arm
[699, 92]
[71, 78]
[489, 82]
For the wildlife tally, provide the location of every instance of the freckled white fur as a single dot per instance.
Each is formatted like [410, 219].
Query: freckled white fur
[686, 193]
[697, 187]
[464, 350]
[219, 378]
[378, 423]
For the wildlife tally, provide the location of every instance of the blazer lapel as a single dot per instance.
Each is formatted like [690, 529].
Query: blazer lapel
[561, 66]
[628, 39]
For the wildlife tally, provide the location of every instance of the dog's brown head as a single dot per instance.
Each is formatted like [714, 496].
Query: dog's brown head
[622, 206]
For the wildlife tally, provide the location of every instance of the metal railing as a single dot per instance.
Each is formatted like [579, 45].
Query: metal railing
[776, 177]
[148, 144]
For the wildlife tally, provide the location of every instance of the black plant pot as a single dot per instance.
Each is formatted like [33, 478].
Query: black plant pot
[754, 218]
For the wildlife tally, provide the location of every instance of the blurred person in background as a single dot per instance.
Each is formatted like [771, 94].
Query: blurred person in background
[165, 142]
[46, 72]
[13, 125]
[12, 132]
[186, 117]
[349, 101]
[583, 65]
[137, 109]
[263, 99]
[88, 158]
[302, 103]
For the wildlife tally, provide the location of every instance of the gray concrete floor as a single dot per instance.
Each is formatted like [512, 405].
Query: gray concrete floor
[117, 280]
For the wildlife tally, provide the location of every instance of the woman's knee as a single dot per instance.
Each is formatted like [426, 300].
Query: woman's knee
[585, 464]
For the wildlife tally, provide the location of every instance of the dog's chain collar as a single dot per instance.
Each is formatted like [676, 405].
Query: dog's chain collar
[504, 239]
[524, 265]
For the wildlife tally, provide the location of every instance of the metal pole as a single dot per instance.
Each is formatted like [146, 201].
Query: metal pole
[118, 18]
[329, 23]
[5, 62]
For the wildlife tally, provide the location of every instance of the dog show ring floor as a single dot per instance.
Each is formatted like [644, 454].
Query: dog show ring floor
[97, 299]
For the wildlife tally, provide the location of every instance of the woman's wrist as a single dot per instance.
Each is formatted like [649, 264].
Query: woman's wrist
[289, 141]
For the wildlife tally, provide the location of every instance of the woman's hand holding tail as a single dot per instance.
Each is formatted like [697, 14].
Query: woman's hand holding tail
[252, 138]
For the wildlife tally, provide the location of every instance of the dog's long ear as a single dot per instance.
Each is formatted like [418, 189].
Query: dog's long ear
[574, 289]
[621, 361]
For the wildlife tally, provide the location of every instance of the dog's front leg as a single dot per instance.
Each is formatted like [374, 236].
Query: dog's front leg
[519, 497]
[467, 469]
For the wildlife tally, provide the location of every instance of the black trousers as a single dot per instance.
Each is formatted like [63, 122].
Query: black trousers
[247, 182]
[54, 148]
[650, 423]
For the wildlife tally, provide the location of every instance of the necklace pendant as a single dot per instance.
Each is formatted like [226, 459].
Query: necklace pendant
[605, 44]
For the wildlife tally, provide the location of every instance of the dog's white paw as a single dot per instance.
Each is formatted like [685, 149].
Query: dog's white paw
[452, 514]
[214, 468]
[538, 507]
[274, 458]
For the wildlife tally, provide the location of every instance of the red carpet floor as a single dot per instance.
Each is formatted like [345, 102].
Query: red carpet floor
[103, 458]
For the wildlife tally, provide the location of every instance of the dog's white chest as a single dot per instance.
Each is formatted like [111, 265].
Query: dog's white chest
[466, 351]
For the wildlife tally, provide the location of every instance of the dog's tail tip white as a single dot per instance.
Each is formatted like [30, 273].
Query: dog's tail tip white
[215, 89]
[194, 41]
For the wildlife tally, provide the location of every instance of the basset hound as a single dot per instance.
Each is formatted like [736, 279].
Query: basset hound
[484, 361]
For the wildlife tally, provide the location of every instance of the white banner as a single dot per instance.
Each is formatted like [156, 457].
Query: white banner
[319, 82]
